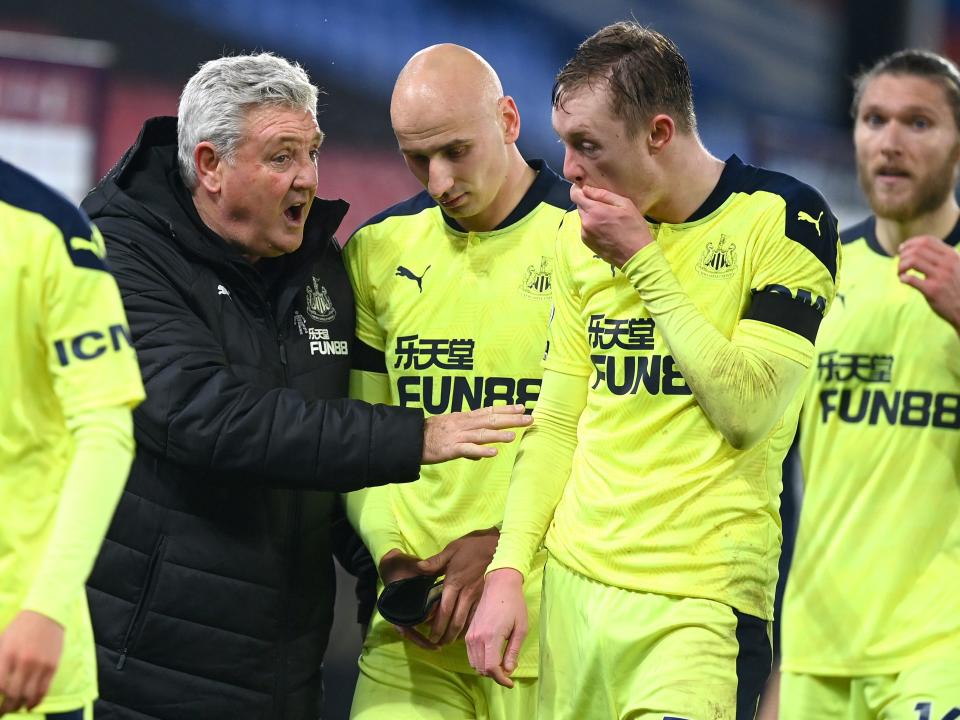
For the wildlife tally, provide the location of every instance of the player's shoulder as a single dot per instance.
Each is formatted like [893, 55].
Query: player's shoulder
[793, 192]
[23, 191]
[863, 231]
[807, 217]
[408, 209]
[27, 194]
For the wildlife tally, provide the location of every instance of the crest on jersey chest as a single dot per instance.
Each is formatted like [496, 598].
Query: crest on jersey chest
[538, 279]
[319, 305]
[718, 260]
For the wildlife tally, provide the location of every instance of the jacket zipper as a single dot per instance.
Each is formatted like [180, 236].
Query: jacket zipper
[140, 610]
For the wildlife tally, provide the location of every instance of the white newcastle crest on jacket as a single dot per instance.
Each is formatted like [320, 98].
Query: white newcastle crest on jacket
[319, 305]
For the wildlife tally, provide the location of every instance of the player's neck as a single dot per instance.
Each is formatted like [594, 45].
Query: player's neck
[691, 174]
[520, 177]
[939, 222]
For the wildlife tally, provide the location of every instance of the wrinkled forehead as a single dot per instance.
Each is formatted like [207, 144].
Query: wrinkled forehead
[264, 123]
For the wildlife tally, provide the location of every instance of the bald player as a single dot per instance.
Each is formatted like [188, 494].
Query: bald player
[453, 290]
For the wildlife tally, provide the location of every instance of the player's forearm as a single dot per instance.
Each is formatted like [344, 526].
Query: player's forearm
[371, 515]
[745, 383]
[103, 440]
[541, 470]
[369, 510]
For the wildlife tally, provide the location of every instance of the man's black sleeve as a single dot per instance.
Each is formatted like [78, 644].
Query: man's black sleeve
[199, 413]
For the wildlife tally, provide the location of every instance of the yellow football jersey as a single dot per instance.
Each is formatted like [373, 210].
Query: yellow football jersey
[67, 349]
[657, 500]
[458, 321]
[872, 587]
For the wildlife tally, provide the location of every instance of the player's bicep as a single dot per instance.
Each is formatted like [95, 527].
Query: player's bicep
[90, 354]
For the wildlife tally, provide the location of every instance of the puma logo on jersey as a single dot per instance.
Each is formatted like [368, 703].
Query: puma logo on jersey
[807, 217]
[404, 272]
[79, 243]
[221, 290]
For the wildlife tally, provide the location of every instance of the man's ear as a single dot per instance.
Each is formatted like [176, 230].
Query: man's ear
[209, 164]
[661, 131]
[509, 119]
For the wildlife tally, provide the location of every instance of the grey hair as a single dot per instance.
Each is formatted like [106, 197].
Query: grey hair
[215, 102]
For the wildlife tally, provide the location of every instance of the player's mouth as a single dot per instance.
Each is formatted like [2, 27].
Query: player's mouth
[296, 213]
[453, 202]
[891, 173]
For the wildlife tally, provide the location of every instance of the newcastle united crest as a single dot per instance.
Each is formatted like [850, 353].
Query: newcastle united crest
[537, 280]
[718, 261]
[319, 306]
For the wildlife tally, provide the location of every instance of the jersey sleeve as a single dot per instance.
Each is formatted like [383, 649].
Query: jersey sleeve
[567, 350]
[90, 356]
[356, 254]
[795, 270]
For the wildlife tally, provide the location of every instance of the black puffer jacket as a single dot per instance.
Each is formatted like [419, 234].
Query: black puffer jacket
[212, 597]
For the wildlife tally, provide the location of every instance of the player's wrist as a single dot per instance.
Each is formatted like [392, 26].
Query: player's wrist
[504, 577]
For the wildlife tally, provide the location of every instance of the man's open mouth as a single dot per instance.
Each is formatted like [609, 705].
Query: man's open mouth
[295, 212]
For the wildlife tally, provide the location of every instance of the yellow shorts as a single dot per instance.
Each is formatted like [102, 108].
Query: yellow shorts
[928, 691]
[84, 713]
[395, 686]
[612, 653]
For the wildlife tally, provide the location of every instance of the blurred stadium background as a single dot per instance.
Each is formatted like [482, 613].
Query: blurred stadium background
[78, 77]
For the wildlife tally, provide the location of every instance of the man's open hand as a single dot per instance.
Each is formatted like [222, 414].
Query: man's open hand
[469, 434]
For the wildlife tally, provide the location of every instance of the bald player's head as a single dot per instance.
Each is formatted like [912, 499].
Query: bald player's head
[456, 130]
[441, 81]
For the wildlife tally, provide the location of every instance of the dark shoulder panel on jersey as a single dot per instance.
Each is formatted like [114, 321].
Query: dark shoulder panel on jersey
[558, 189]
[411, 206]
[809, 220]
[547, 187]
[864, 230]
[24, 191]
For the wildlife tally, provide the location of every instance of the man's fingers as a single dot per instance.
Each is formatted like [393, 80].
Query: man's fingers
[498, 416]
[436, 564]
[914, 281]
[512, 654]
[35, 687]
[493, 668]
[485, 436]
[443, 614]
[458, 621]
[13, 690]
[474, 452]
[501, 678]
[920, 260]
[605, 197]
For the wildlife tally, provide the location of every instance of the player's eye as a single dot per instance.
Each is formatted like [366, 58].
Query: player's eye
[314, 154]
[873, 120]
[920, 123]
[457, 151]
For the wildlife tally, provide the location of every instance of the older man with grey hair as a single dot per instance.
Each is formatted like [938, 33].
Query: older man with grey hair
[212, 597]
